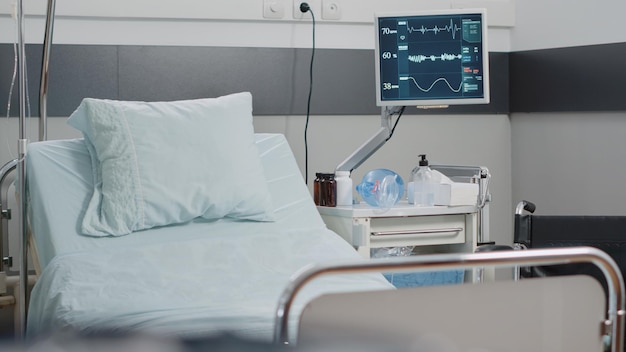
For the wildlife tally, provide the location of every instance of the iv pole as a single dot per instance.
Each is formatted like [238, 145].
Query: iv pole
[23, 143]
[45, 67]
[21, 167]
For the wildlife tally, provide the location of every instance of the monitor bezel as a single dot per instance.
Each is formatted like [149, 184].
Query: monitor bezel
[432, 102]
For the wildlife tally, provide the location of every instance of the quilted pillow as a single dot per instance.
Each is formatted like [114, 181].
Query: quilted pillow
[162, 163]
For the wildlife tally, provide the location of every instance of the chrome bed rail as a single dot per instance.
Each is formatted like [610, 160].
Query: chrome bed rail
[615, 313]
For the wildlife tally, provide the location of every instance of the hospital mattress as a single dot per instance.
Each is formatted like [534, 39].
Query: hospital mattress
[194, 279]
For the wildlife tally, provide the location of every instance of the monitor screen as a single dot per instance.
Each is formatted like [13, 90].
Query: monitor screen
[432, 58]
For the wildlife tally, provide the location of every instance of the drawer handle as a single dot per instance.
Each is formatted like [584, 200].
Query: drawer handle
[417, 232]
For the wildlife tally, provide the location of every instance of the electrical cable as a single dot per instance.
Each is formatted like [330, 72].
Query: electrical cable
[396, 123]
[304, 7]
[10, 97]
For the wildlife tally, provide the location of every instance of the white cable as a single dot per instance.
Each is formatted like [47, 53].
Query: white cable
[13, 79]
[6, 138]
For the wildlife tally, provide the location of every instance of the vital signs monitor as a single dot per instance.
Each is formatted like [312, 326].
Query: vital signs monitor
[432, 58]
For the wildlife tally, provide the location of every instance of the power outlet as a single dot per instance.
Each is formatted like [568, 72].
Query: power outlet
[331, 10]
[273, 8]
[315, 5]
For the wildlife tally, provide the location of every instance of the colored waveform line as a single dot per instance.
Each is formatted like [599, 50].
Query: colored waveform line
[433, 84]
[452, 28]
[443, 57]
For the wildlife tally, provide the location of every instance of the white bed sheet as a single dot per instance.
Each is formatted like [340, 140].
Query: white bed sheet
[194, 279]
[60, 185]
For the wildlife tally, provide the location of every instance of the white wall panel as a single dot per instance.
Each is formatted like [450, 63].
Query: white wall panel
[226, 22]
[352, 11]
[542, 24]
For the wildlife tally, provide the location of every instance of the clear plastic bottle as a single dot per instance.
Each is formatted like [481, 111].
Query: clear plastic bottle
[424, 185]
[381, 188]
[344, 188]
[410, 186]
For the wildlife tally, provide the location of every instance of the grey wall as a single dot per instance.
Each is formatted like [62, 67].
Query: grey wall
[568, 122]
[579, 78]
[278, 78]
[568, 145]
[570, 163]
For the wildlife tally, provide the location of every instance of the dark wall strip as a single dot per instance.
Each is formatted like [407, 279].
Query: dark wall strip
[278, 78]
[583, 78]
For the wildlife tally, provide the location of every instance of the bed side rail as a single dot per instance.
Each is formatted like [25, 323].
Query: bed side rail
[614, 322]
[6, 178]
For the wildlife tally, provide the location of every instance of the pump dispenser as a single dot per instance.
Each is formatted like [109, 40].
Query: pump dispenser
[424, 185]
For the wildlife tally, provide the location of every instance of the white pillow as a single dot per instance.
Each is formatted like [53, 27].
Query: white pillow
[163, 163]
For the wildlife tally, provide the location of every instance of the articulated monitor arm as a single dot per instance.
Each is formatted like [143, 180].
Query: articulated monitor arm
[368, 148]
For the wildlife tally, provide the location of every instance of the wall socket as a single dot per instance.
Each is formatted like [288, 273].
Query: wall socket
[331, 10]
[274, 8]
[315, 5]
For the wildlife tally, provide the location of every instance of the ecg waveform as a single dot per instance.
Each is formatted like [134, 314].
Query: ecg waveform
[451, 28]
[443, 57]
[426, 90]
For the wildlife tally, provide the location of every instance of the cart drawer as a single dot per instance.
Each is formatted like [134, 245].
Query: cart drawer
[417, 230]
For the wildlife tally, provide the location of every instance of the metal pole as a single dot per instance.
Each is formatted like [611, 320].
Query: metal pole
[45, 68]
[21, 146]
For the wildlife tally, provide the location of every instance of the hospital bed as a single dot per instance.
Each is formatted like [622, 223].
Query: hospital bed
[211, 274]
[203, 276]
[197, 278]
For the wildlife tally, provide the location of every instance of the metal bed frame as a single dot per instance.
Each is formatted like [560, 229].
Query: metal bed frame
[613, 326]
[6, 178]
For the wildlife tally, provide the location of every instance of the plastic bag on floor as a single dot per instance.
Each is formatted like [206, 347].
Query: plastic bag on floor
[415, 279]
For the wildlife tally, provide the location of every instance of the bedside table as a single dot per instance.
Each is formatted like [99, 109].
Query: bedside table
[437, 229]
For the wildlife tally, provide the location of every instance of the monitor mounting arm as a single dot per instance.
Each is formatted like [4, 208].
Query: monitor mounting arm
[374, 143]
